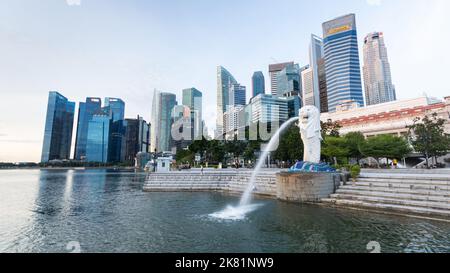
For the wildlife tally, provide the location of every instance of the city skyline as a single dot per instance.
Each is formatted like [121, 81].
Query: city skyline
[134, 80]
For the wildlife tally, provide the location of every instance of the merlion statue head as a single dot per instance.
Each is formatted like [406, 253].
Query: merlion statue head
[309, 122]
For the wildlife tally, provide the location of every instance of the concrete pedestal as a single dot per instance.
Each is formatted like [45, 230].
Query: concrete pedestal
[306, 187]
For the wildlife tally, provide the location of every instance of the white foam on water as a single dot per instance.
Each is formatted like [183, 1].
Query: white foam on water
[235, 213]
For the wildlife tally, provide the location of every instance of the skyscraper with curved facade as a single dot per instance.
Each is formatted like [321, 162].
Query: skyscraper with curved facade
[342, 66]
[377, 70]
[162, 107]
[224, 82]
[258, 84]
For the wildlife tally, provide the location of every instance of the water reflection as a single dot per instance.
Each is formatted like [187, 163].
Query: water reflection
[106, 211]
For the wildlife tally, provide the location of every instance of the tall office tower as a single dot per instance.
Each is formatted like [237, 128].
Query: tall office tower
[323, 91]
[86, 111]
[58, 128]
[377, 70]
[268, 108]
[137, 138]
[315, 55]
[238, 95]
[182, 128]
[289, 86]
[193, 99]
[258, 84]
[98, 138]
[342, 65]
[289, 81]
[308, 87]
[116, 108]
[163, 104]
[224, 82]
[274, 71]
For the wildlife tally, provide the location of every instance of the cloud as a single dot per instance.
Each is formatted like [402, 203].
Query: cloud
[73, 2]
[374, 2]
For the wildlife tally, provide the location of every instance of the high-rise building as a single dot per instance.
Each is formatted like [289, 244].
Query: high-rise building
[342, 67]
[58, 128]
[234, 119]
[86, 111]
[308, 87]
[116, 108]
[98, 138]
[274, 71]
[312, 76]
[289, 81]
[238, 95]
[163, 104]
[258, 84]
[137, 138]
[268, 108]
[323, 91]
[182, 128]
[224, 82]
[192, 98]
[377, 70]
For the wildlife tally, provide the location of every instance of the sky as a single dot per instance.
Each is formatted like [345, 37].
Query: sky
[127, 49]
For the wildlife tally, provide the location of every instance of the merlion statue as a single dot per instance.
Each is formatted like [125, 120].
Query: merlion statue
[310, 131]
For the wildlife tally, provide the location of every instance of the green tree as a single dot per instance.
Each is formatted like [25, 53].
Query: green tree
[290, 147]
[428, 137]
[335, 149]
[199, 147]
[385, 146]
[353, 142]
[330, 128]
[184, 156]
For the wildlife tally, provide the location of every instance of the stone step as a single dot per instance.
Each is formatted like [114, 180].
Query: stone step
[408, 177]
[388, 207]
[405, 181]
[416, 197]
[441, 193]
[393, 201]
[404, 186]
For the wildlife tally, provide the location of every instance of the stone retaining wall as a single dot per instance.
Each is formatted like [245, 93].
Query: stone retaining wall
[227, 181]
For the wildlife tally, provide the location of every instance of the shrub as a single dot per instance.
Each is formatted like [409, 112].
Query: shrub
[355, 171]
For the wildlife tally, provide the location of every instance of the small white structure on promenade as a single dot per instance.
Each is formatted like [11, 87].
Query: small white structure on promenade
[163, 164]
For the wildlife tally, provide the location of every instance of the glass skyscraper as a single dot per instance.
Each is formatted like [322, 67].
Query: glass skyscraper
[342, 66]
[224, 82]
[258, 84]
[163, 104]
[86, 111]
[58, 128]
[238, 95]
[193, 99]
[274, 71]
[98, 138]
[116, 108]
[377, 70]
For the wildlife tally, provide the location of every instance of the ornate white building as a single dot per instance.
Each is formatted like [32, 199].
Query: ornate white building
[389, 118]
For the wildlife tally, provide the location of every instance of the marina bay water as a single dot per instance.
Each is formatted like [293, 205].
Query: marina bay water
[107, 211]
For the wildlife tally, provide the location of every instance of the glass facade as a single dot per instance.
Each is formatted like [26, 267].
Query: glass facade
[116, 108]
[258, 84]
[163, 104]
[86, 111]
[377, 70]
[289, 81]
[224, 82]
[238, 95]
[98, 138]
[342, 66]
[192, 98]
[58, 128]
